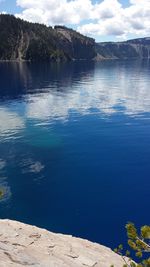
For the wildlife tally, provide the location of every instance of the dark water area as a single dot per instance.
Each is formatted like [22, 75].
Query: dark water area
[75, 146]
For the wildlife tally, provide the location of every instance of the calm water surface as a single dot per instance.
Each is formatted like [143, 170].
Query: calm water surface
[75, 146]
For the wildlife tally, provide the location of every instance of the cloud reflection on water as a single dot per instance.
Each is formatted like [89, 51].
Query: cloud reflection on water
[10, 122]
[2, 164]
[52, 91]
[108, 90]
[35, 95]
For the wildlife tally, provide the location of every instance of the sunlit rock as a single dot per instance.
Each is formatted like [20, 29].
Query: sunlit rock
[24, 245]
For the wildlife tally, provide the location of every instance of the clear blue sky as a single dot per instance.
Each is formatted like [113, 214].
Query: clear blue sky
[9, 6]
[102, 19]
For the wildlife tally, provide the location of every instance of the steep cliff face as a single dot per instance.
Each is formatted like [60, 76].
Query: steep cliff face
[25, 245]
[137, 48]
[75, 44]
[21, 40]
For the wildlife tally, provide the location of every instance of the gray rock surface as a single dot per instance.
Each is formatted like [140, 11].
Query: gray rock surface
[25, 245]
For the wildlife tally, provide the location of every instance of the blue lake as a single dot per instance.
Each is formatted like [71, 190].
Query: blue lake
[75, 146]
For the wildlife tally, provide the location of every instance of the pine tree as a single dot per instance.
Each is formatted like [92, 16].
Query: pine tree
[139, 242]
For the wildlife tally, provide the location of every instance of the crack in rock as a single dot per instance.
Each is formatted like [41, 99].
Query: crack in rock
[94, 265]
[18, 245]
[36, 235]
[87, 262]
[18, 261]
[3, 249]
[52, 246]
[4, 241]
[72, 255]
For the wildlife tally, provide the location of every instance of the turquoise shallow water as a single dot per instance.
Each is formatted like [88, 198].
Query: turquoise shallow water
[75, 146]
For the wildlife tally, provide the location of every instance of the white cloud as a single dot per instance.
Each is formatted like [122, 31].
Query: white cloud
[3, 12]
[55, 11]
[106, 9]
[108, 17]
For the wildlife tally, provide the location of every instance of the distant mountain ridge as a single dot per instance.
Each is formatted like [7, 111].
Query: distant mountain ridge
[136, 48]
[21, 40]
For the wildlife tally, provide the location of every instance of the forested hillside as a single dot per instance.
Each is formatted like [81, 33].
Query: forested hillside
[22, 40]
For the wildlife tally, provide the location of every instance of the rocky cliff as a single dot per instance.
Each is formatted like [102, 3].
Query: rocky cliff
[24, 245]
[21, 40]
[137, 48]
[75, 44]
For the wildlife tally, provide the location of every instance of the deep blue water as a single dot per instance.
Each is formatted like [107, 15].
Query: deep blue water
[75, 146]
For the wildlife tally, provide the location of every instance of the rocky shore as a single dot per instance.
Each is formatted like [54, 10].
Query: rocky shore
[25, 245]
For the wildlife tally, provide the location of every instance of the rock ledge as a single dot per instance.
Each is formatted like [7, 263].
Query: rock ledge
[25, 245]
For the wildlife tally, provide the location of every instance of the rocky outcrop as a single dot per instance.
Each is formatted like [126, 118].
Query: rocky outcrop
[25, 245]
[137, 48]
[21, 40]
[76, 45]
